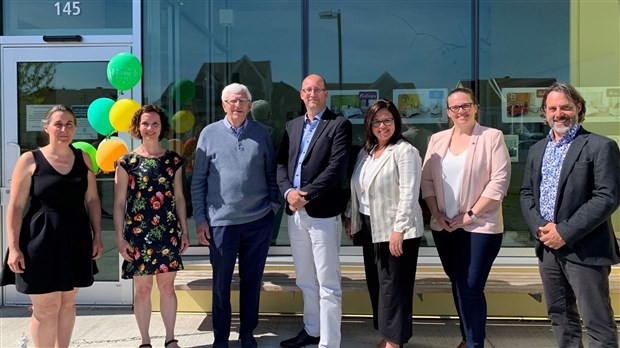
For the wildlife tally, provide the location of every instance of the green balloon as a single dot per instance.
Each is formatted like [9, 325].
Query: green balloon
[99, 116]
[90, 149]
[183, 91]
[124, 71]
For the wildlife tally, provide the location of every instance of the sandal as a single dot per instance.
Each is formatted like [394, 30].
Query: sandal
[170, 342]
[146, 345]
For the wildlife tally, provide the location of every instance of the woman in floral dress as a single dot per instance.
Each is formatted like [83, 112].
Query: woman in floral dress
[150, 219]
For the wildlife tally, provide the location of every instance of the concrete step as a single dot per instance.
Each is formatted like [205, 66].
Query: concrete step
[512, 292]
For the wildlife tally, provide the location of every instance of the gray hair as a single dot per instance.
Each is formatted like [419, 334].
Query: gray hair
[60, 107]
[235, 88]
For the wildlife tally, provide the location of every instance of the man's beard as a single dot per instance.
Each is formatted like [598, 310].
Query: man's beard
[562, 129]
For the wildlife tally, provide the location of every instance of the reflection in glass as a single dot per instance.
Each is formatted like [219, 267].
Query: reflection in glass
[212, 45]
[372, 49]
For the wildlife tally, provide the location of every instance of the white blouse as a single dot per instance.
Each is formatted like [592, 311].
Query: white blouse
[362, 182]
[452, 173]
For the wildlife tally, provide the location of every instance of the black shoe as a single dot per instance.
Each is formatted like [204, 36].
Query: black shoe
[301, 340]
[248, 341]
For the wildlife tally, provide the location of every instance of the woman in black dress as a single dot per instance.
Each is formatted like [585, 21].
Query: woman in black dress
[150, 219]
[52, 248]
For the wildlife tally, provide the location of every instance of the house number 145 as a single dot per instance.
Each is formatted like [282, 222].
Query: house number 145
[69, 8]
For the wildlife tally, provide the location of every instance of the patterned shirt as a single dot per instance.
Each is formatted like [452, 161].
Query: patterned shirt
[555, 152]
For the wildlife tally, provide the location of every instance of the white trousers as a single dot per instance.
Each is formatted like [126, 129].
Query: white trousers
[315, 243]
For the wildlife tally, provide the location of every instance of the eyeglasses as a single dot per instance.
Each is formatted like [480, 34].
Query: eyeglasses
[315, 90]
[386, 122]
[236, 102]
[465, 107]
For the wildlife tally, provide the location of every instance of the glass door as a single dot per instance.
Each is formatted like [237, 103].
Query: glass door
[33, 79]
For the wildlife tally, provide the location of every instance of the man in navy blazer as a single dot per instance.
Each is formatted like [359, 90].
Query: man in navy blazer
[311, 165]
[570, 189]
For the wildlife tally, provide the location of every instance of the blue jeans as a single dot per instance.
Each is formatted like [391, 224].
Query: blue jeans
[467, 258]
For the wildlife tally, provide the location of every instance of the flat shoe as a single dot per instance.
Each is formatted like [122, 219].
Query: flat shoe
[170, 342]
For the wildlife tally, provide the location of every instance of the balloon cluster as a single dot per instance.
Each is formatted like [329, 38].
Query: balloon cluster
[182, 122]
[107, 116]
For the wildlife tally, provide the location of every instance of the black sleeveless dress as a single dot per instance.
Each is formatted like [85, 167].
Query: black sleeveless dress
[56, 237]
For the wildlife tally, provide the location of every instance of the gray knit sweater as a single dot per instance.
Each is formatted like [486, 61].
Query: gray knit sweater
[234, 179]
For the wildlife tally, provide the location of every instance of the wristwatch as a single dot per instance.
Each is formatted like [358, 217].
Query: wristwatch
[471, 215]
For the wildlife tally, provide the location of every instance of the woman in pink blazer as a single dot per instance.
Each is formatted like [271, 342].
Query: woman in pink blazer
[465, 176]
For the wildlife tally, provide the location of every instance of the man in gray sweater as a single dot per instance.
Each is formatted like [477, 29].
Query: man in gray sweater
[235, 198]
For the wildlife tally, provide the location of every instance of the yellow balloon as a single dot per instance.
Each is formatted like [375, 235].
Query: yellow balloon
[182, 121]
[109, 152]
[121, 114]
[175, 145]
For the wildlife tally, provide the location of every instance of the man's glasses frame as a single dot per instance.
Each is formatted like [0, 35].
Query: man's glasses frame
[237, 102]
[315, 90]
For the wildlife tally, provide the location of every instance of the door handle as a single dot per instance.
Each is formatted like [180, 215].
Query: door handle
[12, 153]
[5, 195]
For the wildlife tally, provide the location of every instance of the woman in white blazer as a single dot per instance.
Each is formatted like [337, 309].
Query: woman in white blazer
[465, 177]
[385, 217]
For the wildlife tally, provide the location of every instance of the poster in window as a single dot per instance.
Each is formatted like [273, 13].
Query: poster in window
[352, 104]
[522, 105]
[602, 103]
[422, 105]
[34, 116]
[512, 143]
[83, 131]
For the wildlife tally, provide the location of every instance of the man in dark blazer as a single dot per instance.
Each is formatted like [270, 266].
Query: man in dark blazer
[570, 189]
[311, 165]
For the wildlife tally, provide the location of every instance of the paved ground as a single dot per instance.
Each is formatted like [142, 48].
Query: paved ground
[116, 327]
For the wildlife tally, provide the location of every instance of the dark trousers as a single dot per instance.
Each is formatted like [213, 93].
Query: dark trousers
[567, 284]
[250, 241]
[467, 258]
[396, 280]
[364, 238]
[390, 282]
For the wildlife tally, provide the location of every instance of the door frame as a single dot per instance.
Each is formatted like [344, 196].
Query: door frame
[118, 292]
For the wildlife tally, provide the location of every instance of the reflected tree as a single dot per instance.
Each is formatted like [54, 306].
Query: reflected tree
[34, 80]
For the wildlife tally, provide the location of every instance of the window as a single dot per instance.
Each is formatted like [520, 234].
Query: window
[408, 51]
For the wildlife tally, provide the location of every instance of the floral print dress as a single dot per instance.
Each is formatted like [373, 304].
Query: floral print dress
[151, 224]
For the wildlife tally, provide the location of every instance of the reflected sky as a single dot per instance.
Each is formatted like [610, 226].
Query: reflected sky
[428, 43]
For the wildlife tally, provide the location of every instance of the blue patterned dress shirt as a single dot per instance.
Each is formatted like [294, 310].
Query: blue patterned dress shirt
[555, 152]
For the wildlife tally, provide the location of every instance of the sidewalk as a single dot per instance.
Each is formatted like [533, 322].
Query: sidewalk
[116, 327]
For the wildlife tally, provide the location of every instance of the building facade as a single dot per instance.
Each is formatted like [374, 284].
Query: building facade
[412, 52]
